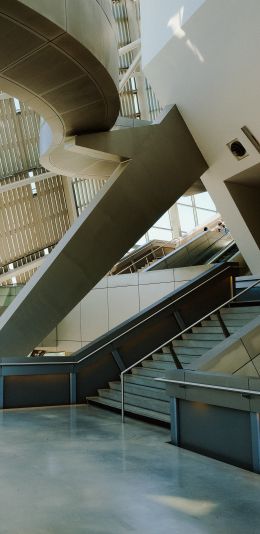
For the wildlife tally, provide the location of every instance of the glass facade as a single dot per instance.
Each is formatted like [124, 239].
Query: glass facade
[194, 211]
[189, 212]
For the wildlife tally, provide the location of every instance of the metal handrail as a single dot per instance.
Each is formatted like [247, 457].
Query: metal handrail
[122, 374]
[150, 253]
[177, 249]
[226, 234]
[225, 249]
[208, 386]
[178, 241]
[67, 362]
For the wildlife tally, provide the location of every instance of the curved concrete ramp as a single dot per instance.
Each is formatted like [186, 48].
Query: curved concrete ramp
[163, 162]
[60, 57]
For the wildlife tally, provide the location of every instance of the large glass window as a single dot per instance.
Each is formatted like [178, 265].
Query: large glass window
[203, 200]
[190, 211]
[194, 211]
[185, 200]
[187, 219]
[159, 233]
[203, 216]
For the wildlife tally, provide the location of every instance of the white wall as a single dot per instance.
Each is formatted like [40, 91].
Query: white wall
[112, 301]
[211, 73]
[214, 181]
[209, 68]
[162, 18]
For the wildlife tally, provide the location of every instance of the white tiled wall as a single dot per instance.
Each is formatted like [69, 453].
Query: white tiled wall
[112, 301]
[123, 302]
[150, 293]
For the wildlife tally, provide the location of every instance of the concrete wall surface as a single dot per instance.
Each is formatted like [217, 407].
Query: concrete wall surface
[207, 67]
[216, 415]
[113, 300]
[166, 19]
[237, 355]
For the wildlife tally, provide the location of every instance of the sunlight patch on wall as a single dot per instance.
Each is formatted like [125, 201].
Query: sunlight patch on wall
[175, 23]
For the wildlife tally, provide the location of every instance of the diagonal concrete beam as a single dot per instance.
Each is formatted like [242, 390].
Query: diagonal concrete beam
[162, 162]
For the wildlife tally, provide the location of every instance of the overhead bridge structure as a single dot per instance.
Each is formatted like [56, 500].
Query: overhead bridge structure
[68, 72]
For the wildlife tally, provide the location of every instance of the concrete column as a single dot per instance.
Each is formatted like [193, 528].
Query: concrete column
[175, 221]
[237, 207]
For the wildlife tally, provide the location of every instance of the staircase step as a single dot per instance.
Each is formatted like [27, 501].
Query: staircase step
[193, 351]
[193, 343]
[162, 357]
[187, 363]
[166, 350]
[144, 381]
[137, 400]
[146, 397]
[207, 329]
[189, 366]
[129, 409]
[148, 373]
[185, 359]
[243, 309]
[239, 316]
[163, 354]
[159, 365]
[235, 323]
[213, 329]
[215, 338]
[143, 391]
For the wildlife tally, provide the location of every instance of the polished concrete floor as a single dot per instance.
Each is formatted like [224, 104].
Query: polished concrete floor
[78, 470]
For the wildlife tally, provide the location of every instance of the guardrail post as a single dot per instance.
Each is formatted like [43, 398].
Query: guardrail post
[174, 410]
[117, 357]
[73, 388]
[122, 397]
[222, 324]
[175, 357]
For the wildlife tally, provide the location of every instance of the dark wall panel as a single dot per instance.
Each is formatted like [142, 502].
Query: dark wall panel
[217, 432]
[96, 374]
[246, 196]
[36, 390]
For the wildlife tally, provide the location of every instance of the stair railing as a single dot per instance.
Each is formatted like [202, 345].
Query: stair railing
[169, 341]
[66, 360]
[206, 250]
[144, 257]
[177, 242]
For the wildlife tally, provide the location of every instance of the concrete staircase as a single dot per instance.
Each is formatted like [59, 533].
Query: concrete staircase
[146, 397]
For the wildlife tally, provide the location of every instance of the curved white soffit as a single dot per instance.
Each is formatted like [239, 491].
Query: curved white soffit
[72, 160]
[58, 153]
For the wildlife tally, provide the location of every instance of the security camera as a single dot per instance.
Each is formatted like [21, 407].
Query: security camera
[237, 149]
